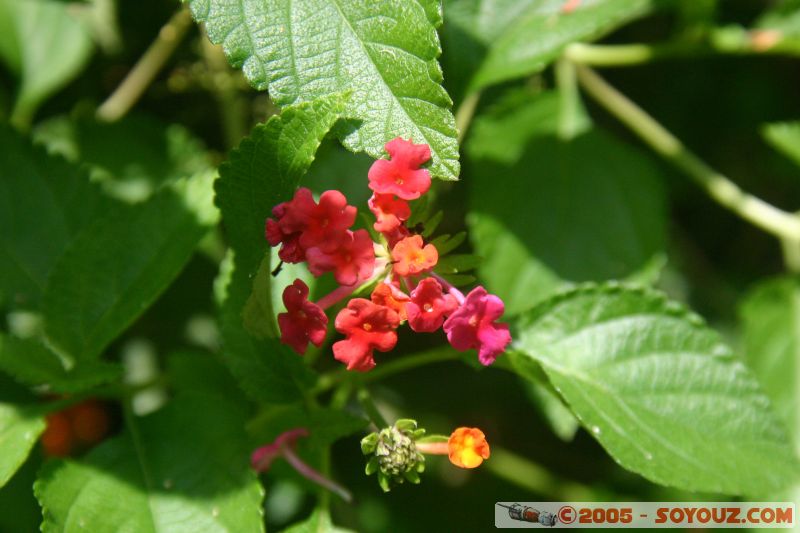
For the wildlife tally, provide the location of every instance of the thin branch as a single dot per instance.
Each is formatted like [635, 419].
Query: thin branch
[464, 114]
[720, 42]
[146, 69]
[760, 213]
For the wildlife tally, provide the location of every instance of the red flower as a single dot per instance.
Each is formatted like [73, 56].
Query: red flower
[368, 327]
[411, 258]
[290, 220]
[352, 262]
[276, 234]
[301, 224]
[401, 174]
[390, 211]
[429, 306]
[304, 321]
[388, 295]
[326, 224]
[473, 326]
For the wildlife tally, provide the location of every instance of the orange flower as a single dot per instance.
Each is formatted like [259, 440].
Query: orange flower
[390, 296]
[467, 447]
[411, 258]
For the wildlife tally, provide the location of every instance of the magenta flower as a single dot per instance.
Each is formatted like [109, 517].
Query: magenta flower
[473, 325]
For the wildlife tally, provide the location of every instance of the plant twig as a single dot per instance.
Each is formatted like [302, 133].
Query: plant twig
[145, 70]
[465, 112]
[763, 42]
[758, 212]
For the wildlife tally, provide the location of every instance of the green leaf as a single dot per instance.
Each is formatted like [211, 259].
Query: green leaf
[503, 132]
[120, 264]
[529, 35]
[44, 46]
[19, 430]
[770, 315]
[318, 522]
[542, 394]
[132, 157]
[447, 243]
[384, 52]
[658, 390]
[33, 364]
[262, 172]
[44, 203]
[784, 137]
[589, 209]
[457, 263]
[170, 471]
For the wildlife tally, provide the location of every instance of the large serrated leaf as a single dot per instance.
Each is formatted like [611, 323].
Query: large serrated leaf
[33, 364]
[383, 52]
[171, 471]
[119, 265]
[263, 171]
[19, 430]
[44, 203]
[659, 391]
[588, 209]
[770, 317]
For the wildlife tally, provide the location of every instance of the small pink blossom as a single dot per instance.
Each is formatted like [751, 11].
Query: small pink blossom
[473, 325]
[326, 223]
[401, 175]
[352, 262]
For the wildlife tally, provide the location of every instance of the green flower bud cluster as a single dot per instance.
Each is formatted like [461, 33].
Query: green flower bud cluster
[394, 453]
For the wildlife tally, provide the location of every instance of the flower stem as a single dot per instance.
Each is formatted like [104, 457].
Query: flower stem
[433, 448]
[145, 70]
[335, 296]
[312, 475]
[758, 212]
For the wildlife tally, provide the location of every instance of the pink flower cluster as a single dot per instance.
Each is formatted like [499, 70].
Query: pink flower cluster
[406, 289]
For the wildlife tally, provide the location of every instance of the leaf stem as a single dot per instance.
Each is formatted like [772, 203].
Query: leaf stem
[758, 212]
[145, 70]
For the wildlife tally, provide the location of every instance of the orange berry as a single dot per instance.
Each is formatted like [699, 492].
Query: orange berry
[57, 437]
